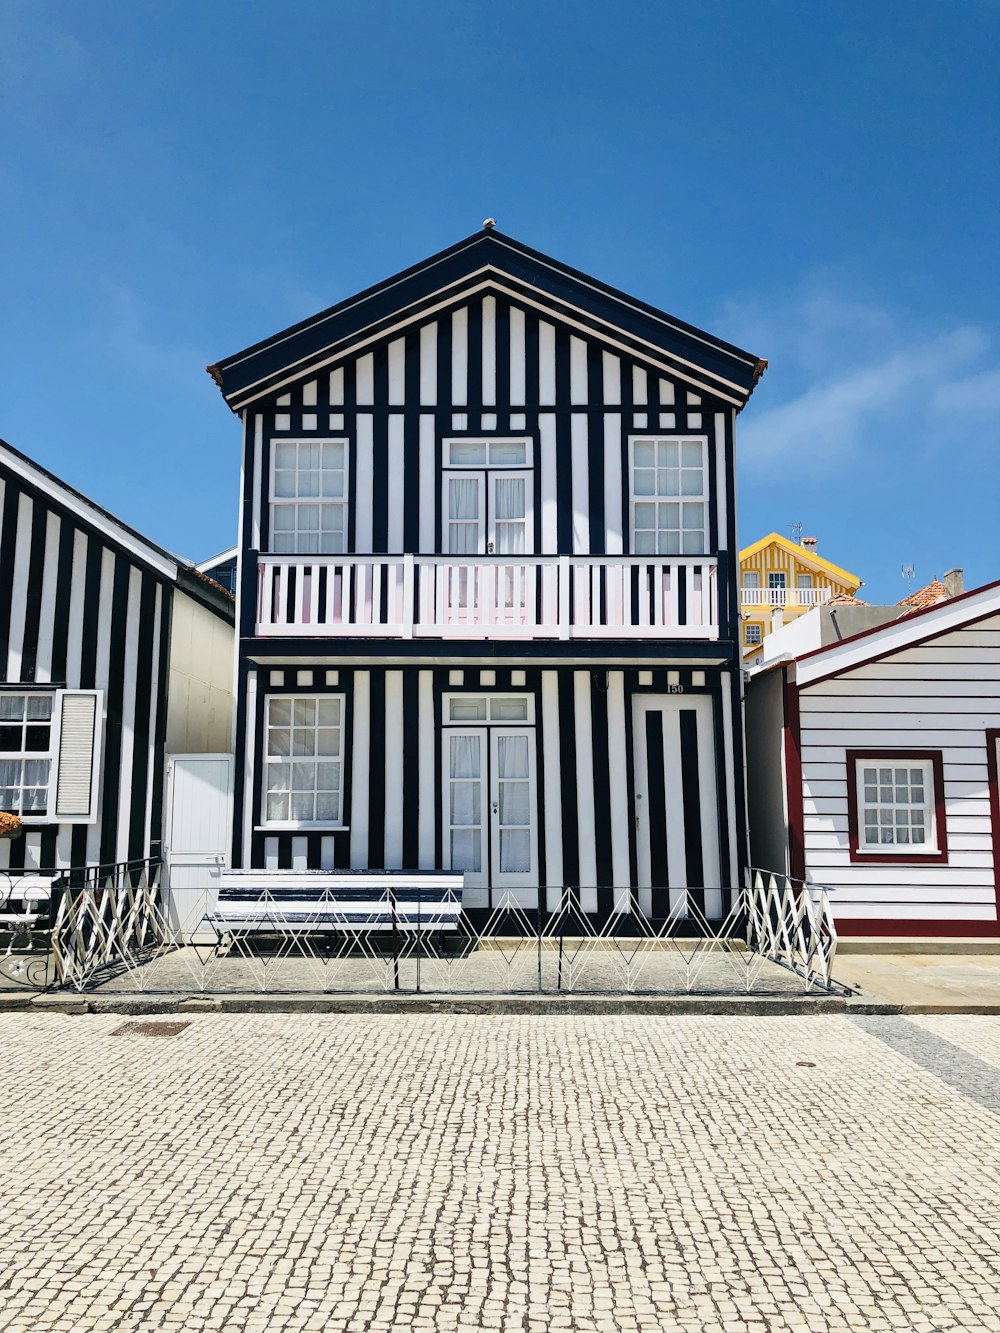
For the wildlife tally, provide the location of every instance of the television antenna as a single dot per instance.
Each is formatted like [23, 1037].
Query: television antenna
[907, 572]
[797, 533]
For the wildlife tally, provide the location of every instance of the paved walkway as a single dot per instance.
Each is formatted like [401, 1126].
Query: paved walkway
[835, 1174]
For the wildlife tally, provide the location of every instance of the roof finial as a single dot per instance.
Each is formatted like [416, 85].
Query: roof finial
[489, 224]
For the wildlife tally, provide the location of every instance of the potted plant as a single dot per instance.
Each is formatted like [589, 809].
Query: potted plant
[10, 825]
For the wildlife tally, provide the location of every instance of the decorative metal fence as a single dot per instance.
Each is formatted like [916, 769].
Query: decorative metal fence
[114, 932]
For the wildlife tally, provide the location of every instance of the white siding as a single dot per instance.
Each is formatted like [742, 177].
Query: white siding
[943, 695]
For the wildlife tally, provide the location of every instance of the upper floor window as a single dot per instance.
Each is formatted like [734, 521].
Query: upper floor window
[669, 496]
[487, 502]
[309, 496]
[754, 635]
[25, 753]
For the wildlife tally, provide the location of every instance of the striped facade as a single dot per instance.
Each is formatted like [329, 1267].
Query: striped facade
[502, 360]
[89, 608]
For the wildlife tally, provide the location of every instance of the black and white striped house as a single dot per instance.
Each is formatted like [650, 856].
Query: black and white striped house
[487, 605]
[111, 652]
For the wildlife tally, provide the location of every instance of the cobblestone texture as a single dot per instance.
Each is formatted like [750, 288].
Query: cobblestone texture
[274, 1172]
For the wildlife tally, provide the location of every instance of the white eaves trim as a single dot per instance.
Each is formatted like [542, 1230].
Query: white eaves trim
[491, 281]
[205, 565]
[897, 635]
[89, 513]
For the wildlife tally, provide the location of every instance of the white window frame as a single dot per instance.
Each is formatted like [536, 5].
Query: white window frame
[655, 437]
[50, 756]
[526, 440]
[750, 626]
[929, 807]
[282, 501]
[805, 581]
[267, 760]
[490, 697]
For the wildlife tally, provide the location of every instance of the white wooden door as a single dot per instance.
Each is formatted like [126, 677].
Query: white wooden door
[513, 831]
[198, 833]
[676, 803]
[510, 525]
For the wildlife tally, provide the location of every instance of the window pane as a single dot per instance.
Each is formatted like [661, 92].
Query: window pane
[645, 481]
[303, 741]
[466, 849]
[11, 738]
[668, 481]
[305, 712]
[303, 806]
[668, 454]
[691, 454]
[284, 485]
[691, 482]
[328, 712]
[11, 707]
[515, 851]
[509, 710]
[39, 707]
[644, 454]
[467, 710]
[328, 740]
[508, 452]
[328, 805]
[466, 803]
[280, 712]
[37, 739]
[468, 452]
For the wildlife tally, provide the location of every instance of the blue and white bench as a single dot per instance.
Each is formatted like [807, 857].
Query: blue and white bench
[279, 902]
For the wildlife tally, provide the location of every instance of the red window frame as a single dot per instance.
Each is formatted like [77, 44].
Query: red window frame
[858, 854]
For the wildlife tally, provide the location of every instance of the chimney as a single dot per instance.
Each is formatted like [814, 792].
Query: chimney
[954, 582]
[811, 542]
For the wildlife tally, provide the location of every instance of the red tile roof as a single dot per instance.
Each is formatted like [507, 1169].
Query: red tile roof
[930, 595]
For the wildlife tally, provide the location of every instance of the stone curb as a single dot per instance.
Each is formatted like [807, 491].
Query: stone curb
[494, 1005]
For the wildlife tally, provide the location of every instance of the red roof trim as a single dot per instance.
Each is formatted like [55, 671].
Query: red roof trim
[908, 619]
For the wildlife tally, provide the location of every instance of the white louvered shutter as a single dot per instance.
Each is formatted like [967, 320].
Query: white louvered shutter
[78, 756]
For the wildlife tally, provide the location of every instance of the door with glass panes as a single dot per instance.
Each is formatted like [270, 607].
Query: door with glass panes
[490, 828]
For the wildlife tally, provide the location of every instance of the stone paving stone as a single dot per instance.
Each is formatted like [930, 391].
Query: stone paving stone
[460, 1173]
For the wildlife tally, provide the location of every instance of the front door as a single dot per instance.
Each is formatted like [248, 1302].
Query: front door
[676, 803]
[199, 829]
[490, 813]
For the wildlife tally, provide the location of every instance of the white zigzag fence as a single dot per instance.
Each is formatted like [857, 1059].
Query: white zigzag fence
[116, 930]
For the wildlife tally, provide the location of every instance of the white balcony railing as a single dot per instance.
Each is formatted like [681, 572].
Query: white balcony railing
[784, 597]
[487, 597]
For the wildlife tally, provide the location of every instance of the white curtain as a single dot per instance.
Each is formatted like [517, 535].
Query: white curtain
[509, 503]
[463, 512]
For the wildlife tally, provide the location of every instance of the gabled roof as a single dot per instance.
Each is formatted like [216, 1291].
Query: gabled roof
[490, 260]
[79, 506]
[800, 553]
[835, 658]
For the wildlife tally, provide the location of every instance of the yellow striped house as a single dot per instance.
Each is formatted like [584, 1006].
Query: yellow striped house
[781, 576]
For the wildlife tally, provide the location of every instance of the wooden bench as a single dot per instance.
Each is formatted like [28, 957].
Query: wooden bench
[335, 902]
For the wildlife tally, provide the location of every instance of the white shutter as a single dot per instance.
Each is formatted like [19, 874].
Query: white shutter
[78, 755]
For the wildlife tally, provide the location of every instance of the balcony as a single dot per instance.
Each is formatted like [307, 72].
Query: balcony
[797, 599]
[488, 597]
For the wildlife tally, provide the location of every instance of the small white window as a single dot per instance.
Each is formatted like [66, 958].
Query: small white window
[309, 496]
[751, 579]
[896, 805]
[803, 580]
[488, 452]
[494, 708]
[26, 746]
[303, 759]
[777, 579]
[669, 496]
[754, 635]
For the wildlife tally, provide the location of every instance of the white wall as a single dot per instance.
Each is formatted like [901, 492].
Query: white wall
[941, 695]
[200, 694]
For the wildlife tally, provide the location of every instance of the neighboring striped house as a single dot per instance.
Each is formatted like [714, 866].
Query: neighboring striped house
[111, 650]
[872, 766]
[488, 605]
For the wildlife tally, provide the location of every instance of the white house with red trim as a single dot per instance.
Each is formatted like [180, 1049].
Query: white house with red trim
[872, 768]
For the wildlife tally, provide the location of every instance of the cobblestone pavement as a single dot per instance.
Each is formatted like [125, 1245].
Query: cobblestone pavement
[431, 1172]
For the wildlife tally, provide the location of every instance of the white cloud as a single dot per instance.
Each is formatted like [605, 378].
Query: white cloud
[849, 377]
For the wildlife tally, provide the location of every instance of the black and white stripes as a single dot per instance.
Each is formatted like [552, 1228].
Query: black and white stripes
[490, 366]
[586, 775]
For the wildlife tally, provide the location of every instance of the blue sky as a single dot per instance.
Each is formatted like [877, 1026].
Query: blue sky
[816, 183]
